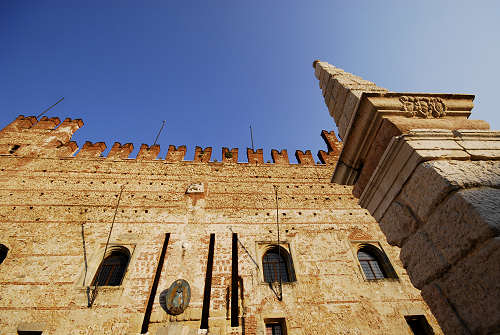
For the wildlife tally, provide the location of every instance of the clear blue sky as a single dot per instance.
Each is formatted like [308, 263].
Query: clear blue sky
[212, 68]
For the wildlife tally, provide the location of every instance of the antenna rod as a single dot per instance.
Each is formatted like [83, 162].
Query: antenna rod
[45, 111]
[251, 137]
[162, 125]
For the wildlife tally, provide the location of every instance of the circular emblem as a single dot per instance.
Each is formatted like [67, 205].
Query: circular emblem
[176, 299]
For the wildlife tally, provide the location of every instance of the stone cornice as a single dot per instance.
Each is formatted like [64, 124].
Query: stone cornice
[404, 153]
[404, 111]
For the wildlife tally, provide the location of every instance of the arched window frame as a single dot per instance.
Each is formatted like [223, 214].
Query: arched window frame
[287, 259]
[381, 259]
[113, 250]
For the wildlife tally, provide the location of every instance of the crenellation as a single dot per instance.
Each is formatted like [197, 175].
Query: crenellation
[67, 128]
[329, 158]
[91, 150]
[202, 155]
[305, 158]
[230, 156]
[46, 124]
[67, 149]
[280, 157]
[19, 124]
[175, 154]
[119, 151]
[149, 152]
[255, 156]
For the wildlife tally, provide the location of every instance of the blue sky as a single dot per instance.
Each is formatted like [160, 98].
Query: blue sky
[212, 68]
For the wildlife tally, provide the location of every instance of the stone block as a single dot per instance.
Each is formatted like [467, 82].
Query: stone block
[464, 219]
[422, 200]
[422, 260]
[398, 224]
[351, 102]
[444, 312]
[473, 288]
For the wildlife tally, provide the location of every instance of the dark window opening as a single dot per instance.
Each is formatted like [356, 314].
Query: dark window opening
[29, 332]
[275, 327]
[112, 269]
[419, 325]
[277, 265]
[374, 263]
[3, 252]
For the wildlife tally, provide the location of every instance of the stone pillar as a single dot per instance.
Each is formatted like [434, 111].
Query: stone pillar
[431, 178]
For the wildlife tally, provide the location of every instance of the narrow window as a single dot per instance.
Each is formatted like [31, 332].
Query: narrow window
[3, 252]
[275, 327]
[112, 269]
[374, 263]
[419, 325]
[29, 332]
[277, 265]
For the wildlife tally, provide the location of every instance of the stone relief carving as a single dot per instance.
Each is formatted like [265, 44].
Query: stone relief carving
[424, 107]
[195, 188]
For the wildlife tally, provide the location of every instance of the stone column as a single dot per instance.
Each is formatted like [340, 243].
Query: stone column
[431, 178]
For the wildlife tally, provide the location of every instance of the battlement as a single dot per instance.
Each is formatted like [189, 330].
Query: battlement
[49, 137]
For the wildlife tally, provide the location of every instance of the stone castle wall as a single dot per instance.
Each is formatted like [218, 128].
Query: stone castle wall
[57, 208]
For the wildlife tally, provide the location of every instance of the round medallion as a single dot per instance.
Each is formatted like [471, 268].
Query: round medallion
[176, 299]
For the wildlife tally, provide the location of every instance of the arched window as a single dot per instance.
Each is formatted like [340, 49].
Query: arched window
[3, 252]
[112, 269]
[374, 263]
[277, 264]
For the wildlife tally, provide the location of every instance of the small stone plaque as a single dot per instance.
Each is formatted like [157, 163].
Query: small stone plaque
[176, 298]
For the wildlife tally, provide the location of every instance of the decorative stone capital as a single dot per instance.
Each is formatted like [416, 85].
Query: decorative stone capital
[381, 116]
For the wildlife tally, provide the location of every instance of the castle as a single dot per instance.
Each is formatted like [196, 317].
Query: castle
[147, 245]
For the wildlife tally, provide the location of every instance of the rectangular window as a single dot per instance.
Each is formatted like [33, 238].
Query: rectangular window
[419, 325]
[29, 332]
[275, 327]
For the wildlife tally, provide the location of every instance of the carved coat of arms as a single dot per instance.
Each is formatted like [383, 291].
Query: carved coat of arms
[424, 107]
[176, 298]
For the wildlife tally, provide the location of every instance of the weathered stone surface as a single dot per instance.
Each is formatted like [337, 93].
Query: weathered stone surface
[423, 261]
[51, 208]
[473, 288]
[446, 315]
[397, 224]
[465, 218]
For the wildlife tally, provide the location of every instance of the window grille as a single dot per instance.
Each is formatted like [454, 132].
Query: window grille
[112, 270]
[370, 264]
[275, 266]
[273, 329]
